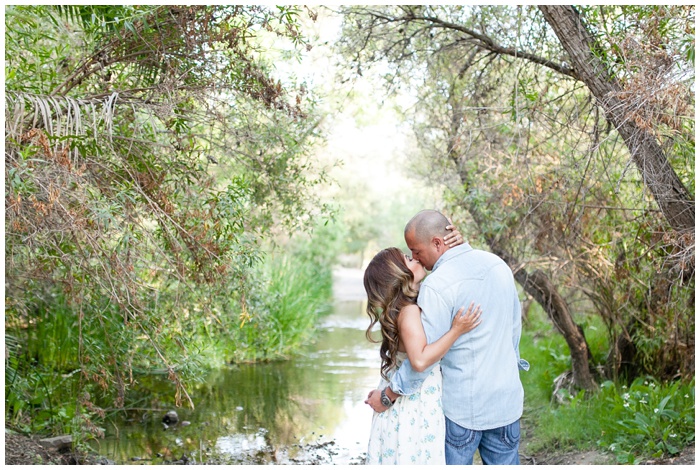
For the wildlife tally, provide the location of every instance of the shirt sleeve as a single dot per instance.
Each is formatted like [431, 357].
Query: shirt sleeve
[437, 320]
[517, 330]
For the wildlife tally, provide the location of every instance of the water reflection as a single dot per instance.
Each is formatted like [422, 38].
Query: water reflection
[262, 412]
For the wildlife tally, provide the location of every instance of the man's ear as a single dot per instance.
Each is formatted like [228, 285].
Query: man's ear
[437, 242]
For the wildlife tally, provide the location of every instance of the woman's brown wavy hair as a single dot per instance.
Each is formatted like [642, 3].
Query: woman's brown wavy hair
[388, 283]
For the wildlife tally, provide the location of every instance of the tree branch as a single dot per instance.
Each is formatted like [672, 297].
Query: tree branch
[485, 42]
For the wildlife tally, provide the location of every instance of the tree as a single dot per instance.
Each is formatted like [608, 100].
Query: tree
[535, 282]
[674, 199]
[538, 163]
[148, 151]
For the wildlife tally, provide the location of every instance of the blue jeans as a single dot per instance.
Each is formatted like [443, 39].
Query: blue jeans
[496, 446]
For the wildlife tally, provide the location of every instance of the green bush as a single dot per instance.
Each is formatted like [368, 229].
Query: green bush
[645, 419]
[548, 426]
[293, 290]
[68, 362]
[648, 418]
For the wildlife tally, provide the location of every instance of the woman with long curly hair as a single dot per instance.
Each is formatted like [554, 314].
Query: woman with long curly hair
[412, 431]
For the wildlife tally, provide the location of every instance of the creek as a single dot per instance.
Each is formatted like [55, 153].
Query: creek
[309, 409]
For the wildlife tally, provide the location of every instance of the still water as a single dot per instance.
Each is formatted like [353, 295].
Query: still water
[307, 410]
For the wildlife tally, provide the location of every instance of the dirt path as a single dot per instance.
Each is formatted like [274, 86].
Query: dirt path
[347, 284]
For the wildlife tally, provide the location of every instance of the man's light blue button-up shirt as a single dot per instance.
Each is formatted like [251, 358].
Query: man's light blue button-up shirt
[481, 380]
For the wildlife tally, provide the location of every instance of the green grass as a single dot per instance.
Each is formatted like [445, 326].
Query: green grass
[644, 419]
[286, 310]
[48, 365]
[648, 418]
[291, 291]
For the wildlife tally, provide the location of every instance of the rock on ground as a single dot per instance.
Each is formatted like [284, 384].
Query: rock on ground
[22, 450]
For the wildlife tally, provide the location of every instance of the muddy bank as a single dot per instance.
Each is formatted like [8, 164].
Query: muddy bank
[23, 450]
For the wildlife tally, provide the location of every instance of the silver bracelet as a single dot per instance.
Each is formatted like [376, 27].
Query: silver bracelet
[385, 399]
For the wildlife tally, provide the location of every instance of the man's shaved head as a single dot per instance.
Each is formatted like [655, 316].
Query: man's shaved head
[427, 224]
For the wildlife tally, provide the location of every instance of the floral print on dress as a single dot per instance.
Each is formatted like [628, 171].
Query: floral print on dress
[412, 431]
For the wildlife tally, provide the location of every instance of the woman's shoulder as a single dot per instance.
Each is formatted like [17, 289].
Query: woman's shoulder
[409, 311]
[410, 308]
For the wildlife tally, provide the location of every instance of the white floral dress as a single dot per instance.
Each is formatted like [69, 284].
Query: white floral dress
[412, 431]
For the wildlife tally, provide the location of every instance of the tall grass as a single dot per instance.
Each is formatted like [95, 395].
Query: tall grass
[292, 293]
[285, 310]
[632, 422]
[65, 361]
[43, 370]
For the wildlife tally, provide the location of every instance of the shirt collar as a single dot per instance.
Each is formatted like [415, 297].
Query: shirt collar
[452, 253]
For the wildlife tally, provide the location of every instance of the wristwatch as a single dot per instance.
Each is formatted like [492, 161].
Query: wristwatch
[385, 399]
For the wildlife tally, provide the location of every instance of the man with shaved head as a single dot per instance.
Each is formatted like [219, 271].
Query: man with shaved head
[482, 395]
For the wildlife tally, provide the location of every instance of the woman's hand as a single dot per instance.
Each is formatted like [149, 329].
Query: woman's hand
[454, 238]
[467, 321]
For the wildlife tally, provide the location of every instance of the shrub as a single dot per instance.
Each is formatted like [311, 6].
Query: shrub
[648, 418]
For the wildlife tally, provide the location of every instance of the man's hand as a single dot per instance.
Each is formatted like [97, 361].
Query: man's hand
[374, 400]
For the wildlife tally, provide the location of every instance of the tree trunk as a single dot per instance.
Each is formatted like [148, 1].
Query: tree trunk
[671, 195]
[540, 287]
